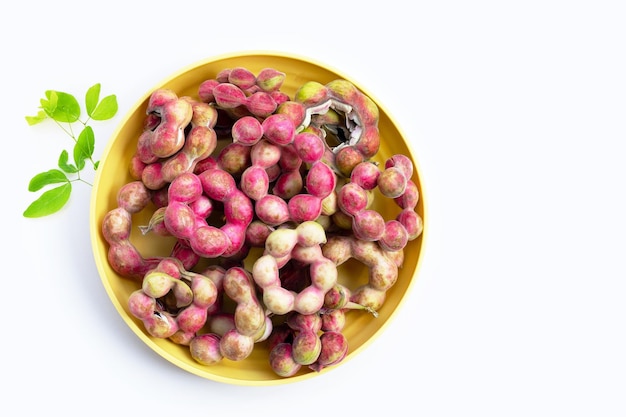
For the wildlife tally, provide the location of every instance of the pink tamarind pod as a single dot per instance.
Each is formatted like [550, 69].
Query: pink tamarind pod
[205, 90]
[249, 314]
[281, 360]
[265, 154]
[144, 148]
[133, 196]
[185, 188]
[152, 176]
[255, 182]
[261, 104]
[136, 167]
[203, 114]
[122, 255]
[205, 349]
[309, 146]
[229, 239]
[365, 174]
[412, 222]
[392, 182]
[320, 180]
[395, 236]
[368, 225]
[351, 198]
[228, 96]
[410, 197]
[241, 77]
[169, 136]
[351, 114]
[270, 79]
[334, 350]
[234, 158]
[272, 210]
[247, 131]
[157, 323]
[293, 110]
[279, 129]
[304, 207]
[200, 142]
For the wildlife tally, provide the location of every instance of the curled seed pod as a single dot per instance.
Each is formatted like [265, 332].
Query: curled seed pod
[157, 323]
[342, 108]
[301, 244]
[192, 318]
[200, 142]
[122, 255]
[169, 136]
[249, 315]
[383, 269]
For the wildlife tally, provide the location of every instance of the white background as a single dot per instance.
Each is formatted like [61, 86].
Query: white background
[516, 111]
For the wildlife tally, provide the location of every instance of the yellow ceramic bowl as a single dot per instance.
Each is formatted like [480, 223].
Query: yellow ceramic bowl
[361, 328]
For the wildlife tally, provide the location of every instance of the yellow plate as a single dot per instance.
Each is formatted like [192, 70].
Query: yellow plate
[361, 327]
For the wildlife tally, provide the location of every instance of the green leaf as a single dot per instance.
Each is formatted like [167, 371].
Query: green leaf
[40, 117]
[67, 109]
[49, 106]
[84, 147]
[65, 165]
[106, 109]
[53, 176]
[49, 202]
[96, 165]
[91, 98]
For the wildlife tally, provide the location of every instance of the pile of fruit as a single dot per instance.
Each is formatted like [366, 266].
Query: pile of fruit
[244, 168]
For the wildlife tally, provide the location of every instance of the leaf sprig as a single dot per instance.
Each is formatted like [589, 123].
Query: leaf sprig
[65, 110]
